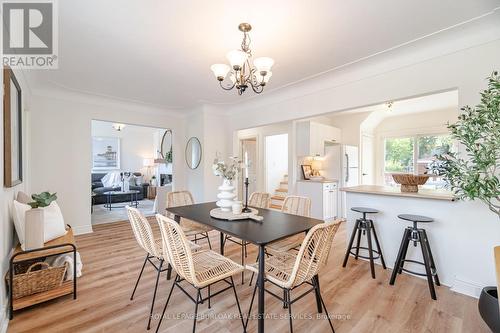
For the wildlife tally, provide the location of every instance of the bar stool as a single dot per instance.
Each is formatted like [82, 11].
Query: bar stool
[363, 225]
[416, 235]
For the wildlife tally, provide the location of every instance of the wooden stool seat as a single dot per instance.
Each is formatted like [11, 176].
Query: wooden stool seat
[415, 218]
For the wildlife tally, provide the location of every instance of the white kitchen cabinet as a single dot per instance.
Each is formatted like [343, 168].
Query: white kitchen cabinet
[312, 137]
[324, 198]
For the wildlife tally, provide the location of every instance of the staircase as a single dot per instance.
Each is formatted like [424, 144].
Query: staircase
[280, 194]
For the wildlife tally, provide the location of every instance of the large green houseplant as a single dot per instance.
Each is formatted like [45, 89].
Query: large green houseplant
[476, 175]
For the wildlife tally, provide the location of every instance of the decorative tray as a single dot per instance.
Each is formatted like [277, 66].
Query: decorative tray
[219, 214]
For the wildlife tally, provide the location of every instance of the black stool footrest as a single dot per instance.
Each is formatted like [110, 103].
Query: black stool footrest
[364, 248]
[433, 271]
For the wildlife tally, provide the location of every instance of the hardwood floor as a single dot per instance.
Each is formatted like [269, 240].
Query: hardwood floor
[112, 261]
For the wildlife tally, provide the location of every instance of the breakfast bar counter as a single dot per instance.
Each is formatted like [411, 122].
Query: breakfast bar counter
[395, 191]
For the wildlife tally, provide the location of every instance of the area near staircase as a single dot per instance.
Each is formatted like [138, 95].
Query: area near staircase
[280, 194]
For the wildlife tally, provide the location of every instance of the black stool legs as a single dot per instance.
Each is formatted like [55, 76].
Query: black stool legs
[366, 227]
[416, 235]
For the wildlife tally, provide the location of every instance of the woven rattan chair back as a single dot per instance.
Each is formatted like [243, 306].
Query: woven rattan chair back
[177, 249]
[142, 231]
[259, 200]
[297, 205]
[179, 198]
[313, 253]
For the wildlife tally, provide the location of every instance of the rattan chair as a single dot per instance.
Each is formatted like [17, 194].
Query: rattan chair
[153, 247]
[257, 200]
[289, 271]
[201, 269]
[190, 228]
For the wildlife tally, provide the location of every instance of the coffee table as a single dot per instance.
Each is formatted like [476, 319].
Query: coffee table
[133, 198]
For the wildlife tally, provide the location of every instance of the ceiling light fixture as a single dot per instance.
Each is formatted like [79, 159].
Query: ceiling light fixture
[389, 106]
[241, 73]
[118, 127]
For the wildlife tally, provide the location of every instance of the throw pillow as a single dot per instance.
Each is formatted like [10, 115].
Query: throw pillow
[53, 222]
[23, 197]
[139, 180]
[18, 211]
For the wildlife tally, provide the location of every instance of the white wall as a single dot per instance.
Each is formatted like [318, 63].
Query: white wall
[136, 144]
[7, 195]
[61, 146]
[276, 161]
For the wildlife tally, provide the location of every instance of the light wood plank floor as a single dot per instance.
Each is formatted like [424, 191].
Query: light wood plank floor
[112, 261]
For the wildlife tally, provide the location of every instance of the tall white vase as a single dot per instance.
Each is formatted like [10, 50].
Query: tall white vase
[226, 195]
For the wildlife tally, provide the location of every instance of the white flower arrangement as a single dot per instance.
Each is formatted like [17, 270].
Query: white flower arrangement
[227, 171]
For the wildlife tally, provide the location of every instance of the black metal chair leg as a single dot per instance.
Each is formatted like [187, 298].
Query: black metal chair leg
[253, 273]
[140, 274]
[242, 262]
[251, 303]
[169, 271]
[166, 303]
[209, 303]
[238, 304]
[208, 240]
[427, 265]
[317, 292]
[358, 241]
[154, 294]
[285, 304]
[405, 251]
[433, 265]
[398, 258]
[327, 315]
[350, 243]
[370, 252]
[198, 297]
[378, 246]
[289, 304]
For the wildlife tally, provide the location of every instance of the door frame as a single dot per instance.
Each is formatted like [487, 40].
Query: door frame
[256, 162]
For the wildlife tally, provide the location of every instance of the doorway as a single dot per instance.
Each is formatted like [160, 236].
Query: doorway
[276, 147]
[248, 151]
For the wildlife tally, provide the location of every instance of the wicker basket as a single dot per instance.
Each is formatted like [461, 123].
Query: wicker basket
[409, 182]
[33, 282]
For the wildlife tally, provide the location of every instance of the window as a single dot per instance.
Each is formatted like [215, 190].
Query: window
[414, 154]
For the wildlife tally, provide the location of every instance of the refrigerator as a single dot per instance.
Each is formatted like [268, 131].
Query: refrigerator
[341, 162]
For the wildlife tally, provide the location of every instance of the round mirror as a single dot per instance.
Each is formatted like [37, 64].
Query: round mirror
[166, 146]
[193, 153]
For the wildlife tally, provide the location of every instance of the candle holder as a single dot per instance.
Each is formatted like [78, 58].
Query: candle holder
[246, 209]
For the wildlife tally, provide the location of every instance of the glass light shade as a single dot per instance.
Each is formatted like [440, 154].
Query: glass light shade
[264, 79]
[263, 64]
[148, 162]
[236, 58]
[233, 78]
[220, 71]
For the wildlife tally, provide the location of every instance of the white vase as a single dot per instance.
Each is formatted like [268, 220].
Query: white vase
[226, 196]
[34, 229]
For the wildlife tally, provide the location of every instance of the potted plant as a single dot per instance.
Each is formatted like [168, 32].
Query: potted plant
[34, 220]
[153, 180]
[476, 175]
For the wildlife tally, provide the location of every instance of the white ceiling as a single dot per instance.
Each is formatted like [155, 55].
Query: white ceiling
[160, 51]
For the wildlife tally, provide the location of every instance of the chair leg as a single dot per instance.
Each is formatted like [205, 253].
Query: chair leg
[154, 294]
[243, 262]
[350, 243]
[209, 303]
[251, 303]
[169, 271]
[358, 241]
[238, 304]
[317, 291]
[198, 296]
[140, 274]
[289, 305]
[166, 303]
[405, 251]
[370, 252]
[379, 249]
[433, 265]
[253, 273]
[327, 315]
[208, 240]
[397, 264]
[427, 265]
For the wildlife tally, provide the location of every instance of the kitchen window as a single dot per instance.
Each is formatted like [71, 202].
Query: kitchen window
[414, 154]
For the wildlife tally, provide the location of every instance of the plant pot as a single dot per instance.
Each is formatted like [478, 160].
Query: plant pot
[488, 308]
[34, 229]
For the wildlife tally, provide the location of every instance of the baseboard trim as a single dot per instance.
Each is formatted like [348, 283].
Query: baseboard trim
[4, 320]
[468, 288]
[80, 230]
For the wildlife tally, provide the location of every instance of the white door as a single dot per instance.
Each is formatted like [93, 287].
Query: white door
[276, 153]
[367, 159]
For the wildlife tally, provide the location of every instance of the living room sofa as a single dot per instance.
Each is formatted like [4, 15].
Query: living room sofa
[99, 189]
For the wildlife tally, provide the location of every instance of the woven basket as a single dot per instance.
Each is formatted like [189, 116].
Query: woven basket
[33, 282]
[409, 182]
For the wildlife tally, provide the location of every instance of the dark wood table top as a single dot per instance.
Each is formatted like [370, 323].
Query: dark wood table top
[275, 226]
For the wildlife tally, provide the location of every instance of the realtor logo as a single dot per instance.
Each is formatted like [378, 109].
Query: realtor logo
[29, 34]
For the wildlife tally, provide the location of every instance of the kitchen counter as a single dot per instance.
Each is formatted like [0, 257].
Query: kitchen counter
[395, 191]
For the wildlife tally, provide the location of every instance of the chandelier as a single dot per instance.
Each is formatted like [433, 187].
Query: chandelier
[241, 73]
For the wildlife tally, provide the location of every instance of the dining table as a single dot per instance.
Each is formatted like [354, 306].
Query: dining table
[274, 226]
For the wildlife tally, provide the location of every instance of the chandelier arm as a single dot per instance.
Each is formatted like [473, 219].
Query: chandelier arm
[226, 88]
[256, 89]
